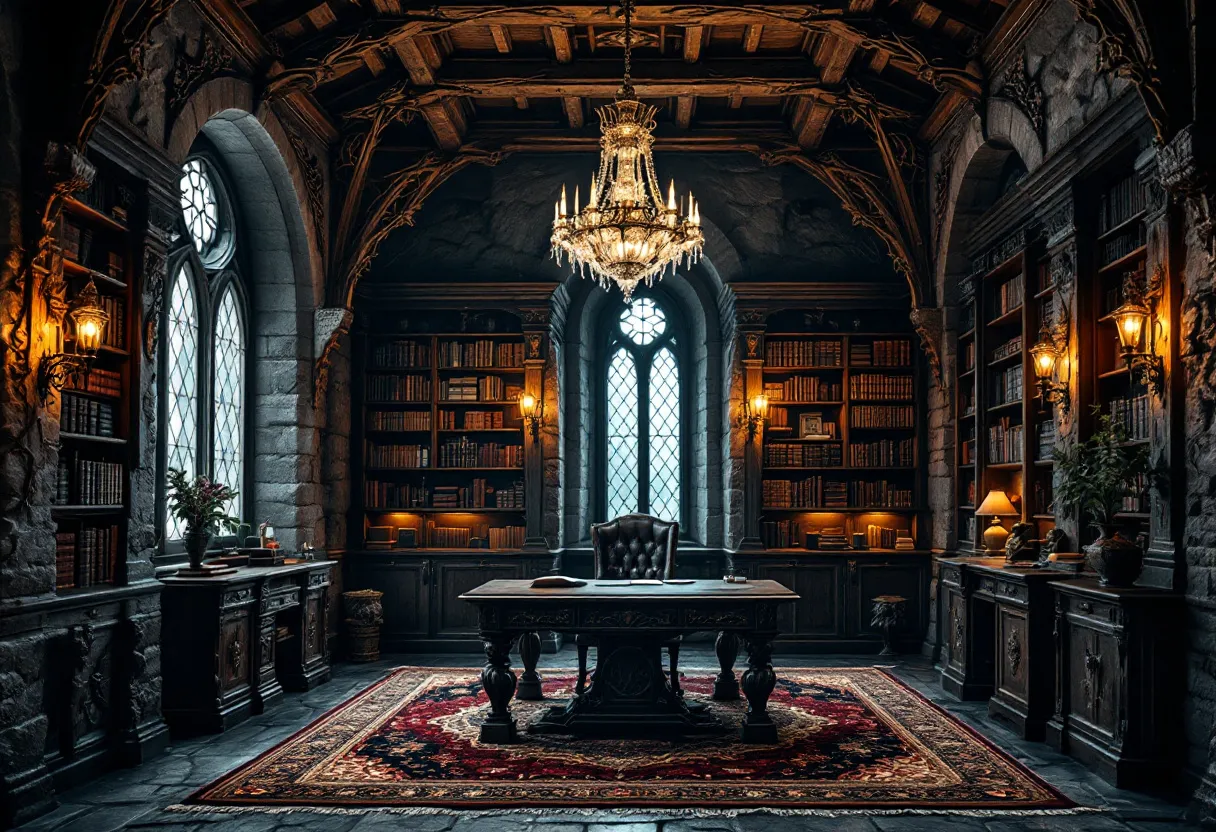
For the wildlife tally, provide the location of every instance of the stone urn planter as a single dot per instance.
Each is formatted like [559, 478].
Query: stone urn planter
[1117, 559]
[196, 542]
[364, 616]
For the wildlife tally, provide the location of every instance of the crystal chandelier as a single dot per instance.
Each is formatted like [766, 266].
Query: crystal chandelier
[626, 234]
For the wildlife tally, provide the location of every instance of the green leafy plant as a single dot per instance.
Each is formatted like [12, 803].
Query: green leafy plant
[1095, 475]
[199, 503]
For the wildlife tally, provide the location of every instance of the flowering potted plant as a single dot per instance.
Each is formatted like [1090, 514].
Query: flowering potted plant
[1096, 476]
[199, 503]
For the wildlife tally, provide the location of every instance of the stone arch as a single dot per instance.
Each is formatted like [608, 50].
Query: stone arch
[284, 285]
[1006, 123]
[695, 297]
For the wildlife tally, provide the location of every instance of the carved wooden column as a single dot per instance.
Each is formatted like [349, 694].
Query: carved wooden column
[1168, 433]
[750, 332]
[536, 351]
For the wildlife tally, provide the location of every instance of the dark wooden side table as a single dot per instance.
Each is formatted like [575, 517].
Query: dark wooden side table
[233, 643]
[1120, 681]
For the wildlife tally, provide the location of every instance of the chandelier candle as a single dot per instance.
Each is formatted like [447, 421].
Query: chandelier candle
[626, 234]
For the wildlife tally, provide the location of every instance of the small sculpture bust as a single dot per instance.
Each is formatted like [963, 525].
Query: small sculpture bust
[1020, 544]
[1055, 541]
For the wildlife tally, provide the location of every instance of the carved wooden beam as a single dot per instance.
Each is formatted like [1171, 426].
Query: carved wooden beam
[915, 50]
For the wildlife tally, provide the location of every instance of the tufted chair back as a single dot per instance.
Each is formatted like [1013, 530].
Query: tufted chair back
[635, 546]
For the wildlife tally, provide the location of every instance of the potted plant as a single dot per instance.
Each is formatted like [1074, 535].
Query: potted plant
[1095, 476]
[199, 503]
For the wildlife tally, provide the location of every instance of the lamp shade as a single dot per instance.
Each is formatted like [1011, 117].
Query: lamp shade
[996, 504]
[1130, 319]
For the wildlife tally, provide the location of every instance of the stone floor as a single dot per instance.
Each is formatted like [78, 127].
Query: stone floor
[135, 799]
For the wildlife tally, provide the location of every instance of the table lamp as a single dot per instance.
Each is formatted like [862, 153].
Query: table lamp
[996, 505]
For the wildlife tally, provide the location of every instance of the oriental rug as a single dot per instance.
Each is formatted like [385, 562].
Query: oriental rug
[852, 738]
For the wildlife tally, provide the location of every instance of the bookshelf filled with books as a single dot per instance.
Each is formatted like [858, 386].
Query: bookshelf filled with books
[98, 238]
[442, 462]
[840, 455]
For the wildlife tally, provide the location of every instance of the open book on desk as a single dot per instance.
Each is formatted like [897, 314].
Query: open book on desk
[556, 582]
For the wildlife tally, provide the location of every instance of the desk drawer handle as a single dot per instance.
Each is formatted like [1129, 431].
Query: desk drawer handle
[1085, 606]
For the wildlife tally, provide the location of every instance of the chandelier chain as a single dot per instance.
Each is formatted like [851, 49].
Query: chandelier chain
[627, 83]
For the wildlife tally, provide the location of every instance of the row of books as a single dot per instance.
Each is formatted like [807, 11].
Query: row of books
[781, 534]
[481, 354]
[881, 537]
[967, 356]
[1123, 244]
[108, 195]
[76, 243]
[789, 455]
[401, 354]
[966, 452]
[380, 494]
[1005, 442]
[474, 389]
[874, 386]
[1041, 497]
[1007, 385]
[884, 453]
[966, 401]
[778, 417]
[969, 492]
[87, 416]
[399, 420]
[94, 483]
[1120, 203]
[807, 353]
[1137, 499]
[803, 389]
[447, 537]
[411, 388]
[398, 456]
[480, 494]
[507, 537]
[96, 380]
[882, 416]
[471, 420]
[1008, 296]
[884, 353]
[879, 493]
[87, 558]
[1133, 413]
[463, 453]
[1011, 347]
[1048, 434]
[966, 318]
[812, 492]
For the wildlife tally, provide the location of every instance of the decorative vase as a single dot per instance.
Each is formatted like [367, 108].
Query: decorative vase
[197, 541]
[364, 615]
[1117, 559]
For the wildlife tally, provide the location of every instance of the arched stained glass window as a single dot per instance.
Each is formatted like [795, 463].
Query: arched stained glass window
[228, 396]
[181, 383]
[643, 414]
[200, 207]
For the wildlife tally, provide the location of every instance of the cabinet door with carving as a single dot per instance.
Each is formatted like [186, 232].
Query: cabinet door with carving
[234, 655]
[314, 626]
[956, 629]
[451, 579]
[1013, 660]
[1093, 671]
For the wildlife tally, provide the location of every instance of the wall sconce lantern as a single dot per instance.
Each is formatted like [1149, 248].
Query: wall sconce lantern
[755, 413]
[529, 409]
[1132, 319]
[1046, 355]
[89, 321]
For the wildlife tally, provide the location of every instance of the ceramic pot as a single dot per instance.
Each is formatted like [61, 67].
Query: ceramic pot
[1117, 559]
[364, 615]
[196, 541]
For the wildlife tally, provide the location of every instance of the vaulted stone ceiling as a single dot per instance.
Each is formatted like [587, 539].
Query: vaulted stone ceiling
[847, 90]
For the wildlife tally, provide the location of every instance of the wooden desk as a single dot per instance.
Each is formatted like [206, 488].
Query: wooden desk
[222, 656]
[630, 693]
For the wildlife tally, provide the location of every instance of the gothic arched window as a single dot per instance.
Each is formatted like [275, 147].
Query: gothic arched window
[204, 378]
[643, 453]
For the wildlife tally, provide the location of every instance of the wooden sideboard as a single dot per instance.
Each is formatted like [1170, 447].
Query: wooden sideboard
[265, 628]
[1120, 681]
[997, 639]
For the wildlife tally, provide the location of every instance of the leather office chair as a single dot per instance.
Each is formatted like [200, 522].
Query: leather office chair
[633, 546]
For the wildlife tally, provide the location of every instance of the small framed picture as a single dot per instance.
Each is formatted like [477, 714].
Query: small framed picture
[810, 424]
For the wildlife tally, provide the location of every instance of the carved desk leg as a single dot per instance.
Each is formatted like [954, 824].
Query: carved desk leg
[499, 682]
[529, 653]
[758, 682]
[726, 686]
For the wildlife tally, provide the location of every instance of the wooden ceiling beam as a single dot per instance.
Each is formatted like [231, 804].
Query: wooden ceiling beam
[751, 36]
[693, 37]
[811, 119]
[531, 140]
[415, 64]
[563, 48]
[574, 111]
[833, 56]
[447, 123]
[683, 113]
[502, 38]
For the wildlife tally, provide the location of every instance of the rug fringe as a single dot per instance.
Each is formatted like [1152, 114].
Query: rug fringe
[639, 814]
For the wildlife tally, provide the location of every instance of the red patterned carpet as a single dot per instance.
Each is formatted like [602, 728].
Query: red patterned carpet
[849, 738]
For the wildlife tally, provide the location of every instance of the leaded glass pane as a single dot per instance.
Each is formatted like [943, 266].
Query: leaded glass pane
[665, 435]
[199, 206]
[181, 385]
[229, 410]
[622, 435]
[642, 321]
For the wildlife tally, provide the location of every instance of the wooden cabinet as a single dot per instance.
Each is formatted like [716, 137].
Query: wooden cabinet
[422, 606]
[1119, 681]
[265, 628]
[834, 610]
